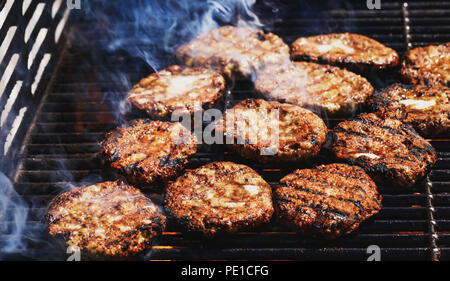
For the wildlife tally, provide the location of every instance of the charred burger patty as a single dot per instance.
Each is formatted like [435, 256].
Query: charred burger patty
[427, 65]
[391, 152]
[353, 51]
[109, 219]
[319, 87]
[425, 108]
[177, 88]
[149, 152]
[328, 201]
[220, 197]
[300, 135]
[231, 50]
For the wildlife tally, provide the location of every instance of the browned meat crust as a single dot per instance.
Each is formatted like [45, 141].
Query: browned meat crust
[427, 65]
[109, 219]
[301, 133]
[315, 86]
[234, 51]
[147, 152]
[328, 201]
[425, 108]
[391, 152]
[220, 197]
[177, 88]
[353, 51]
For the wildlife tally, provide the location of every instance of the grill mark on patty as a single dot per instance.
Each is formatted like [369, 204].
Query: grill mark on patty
[144, 150]
[337, 91]
[355, 52]
[316, 192]
[351, 132]
[338, 186]
[425, 108]
[327, 201]
[371, 123]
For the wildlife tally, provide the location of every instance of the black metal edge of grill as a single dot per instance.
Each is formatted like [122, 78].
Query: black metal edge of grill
[72, 108]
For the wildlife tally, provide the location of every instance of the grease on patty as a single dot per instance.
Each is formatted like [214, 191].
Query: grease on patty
[391, 152]
[352, 51]
[177, 89]
[425, 108]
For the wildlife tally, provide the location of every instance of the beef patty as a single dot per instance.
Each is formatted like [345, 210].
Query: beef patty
[352, 51]
[220, 197]
[268, 131]
[177, 89]
[315, 86]
[149, 153]
[328, 201]
[234, 51]
[427, 65]
[391, 152]
[425, 108]
[109, 219]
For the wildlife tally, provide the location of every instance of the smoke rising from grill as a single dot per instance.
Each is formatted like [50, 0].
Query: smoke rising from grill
[154, 29]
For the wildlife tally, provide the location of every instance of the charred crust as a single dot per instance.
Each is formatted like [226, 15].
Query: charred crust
[302, 202]
[333, 97]
[207, 50]
[138, 220]
[151, 94]
[425, 65]
[368, 56]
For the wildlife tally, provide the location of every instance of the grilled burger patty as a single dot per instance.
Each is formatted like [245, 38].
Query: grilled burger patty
[149, 152]
[328, 201]
[352, 51]
[234, 51]
[315, 86]
[109, 219]
[427, 65]
[425, 108]
[390, 151]
[220, 197]
[177, 88]
[301, 133]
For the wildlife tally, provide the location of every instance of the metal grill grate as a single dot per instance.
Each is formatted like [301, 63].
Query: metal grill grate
[78, 109]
